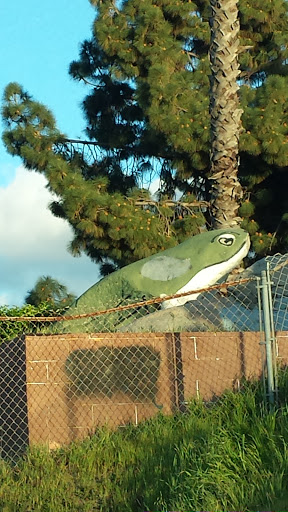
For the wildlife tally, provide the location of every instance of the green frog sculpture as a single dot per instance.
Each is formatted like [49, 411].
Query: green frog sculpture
[197, 263]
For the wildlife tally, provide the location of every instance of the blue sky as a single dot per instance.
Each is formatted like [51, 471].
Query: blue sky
[38, 42]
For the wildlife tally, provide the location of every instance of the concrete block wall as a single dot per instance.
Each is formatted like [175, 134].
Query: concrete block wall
[40, 406]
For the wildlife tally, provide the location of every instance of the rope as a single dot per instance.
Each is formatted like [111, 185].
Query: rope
[157, 300]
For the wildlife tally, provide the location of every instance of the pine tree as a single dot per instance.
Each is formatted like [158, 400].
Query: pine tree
[112, 217]
[147, 70]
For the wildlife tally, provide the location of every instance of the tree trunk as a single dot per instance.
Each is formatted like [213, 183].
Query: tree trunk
[226, 190]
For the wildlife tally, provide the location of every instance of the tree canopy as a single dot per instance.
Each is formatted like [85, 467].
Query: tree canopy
[50, 291]
[146, 69]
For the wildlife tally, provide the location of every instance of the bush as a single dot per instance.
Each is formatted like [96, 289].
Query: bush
[10, 329]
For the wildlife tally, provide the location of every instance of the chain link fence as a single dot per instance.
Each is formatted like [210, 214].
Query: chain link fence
[63, 376]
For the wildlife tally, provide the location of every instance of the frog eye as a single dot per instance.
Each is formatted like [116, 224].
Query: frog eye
[226, 239]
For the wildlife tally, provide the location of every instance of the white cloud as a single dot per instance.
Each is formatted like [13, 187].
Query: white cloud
[33, 242]
[26, 222]
[4, 299]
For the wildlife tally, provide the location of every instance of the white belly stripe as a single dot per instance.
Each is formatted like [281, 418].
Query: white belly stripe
[206, 277]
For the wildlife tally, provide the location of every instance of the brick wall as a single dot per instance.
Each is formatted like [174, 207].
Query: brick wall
[190, 365]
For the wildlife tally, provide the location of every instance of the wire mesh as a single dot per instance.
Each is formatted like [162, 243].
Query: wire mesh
[278, 265]
[64, 375]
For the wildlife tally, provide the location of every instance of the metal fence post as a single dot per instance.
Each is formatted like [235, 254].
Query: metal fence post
[265, 284]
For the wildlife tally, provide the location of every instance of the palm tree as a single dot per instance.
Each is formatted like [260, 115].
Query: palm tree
[49, 290]
[226, 190]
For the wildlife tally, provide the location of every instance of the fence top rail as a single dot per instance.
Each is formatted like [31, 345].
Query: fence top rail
[157, 300]
[279, 265]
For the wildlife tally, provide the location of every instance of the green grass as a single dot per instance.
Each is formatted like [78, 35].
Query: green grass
[232, 455]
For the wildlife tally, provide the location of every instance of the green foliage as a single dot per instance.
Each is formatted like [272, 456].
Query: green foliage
[261, 242]
[231, 455]
[10, 329]
[147, 109]
[50, 291]
[106, 223]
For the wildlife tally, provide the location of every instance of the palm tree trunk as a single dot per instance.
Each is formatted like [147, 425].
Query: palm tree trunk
[226, 190]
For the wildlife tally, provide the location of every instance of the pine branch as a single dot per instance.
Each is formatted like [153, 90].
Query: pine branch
[169, 203]
[114, 147]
